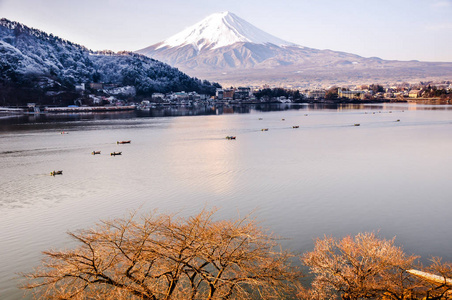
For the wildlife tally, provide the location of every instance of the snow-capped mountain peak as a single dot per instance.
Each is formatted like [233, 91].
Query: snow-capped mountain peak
[220, 30]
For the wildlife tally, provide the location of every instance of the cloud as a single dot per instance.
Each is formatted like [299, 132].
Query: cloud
[440, 27]
[442, 4]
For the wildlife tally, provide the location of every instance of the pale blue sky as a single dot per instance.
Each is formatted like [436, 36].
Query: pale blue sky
[389, 29]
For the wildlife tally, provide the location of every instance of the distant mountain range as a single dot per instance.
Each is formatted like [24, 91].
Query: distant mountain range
[228, 49]
[34, 63]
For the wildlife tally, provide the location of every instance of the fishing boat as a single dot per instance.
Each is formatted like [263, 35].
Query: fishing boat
[264, 129]
[115, 153]
[53, 173]
[230, 137]
[123, 142]
[95, 152]
[295, 126]
[357, 124]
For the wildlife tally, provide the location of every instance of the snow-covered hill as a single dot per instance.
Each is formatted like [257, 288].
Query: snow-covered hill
[227, 48]
[35, 60]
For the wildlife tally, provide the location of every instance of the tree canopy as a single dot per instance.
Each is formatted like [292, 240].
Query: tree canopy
[368, 267]
[166, 257]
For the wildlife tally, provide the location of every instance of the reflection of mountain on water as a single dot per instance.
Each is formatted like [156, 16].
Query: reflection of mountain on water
[218, 109]
[177, 111]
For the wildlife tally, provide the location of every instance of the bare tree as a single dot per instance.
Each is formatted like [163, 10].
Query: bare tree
[168, 257]
[358, 268]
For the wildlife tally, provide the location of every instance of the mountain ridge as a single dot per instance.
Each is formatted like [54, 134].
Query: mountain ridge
[244, 60]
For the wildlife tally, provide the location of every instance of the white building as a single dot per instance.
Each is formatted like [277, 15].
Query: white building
[316, 94]
[351, 94]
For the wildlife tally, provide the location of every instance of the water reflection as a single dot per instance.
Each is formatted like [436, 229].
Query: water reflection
[20, 122]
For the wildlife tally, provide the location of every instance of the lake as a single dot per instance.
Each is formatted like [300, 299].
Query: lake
[325, 177]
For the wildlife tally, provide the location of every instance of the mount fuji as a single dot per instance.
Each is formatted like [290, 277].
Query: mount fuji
[221, 30]
[226, 48]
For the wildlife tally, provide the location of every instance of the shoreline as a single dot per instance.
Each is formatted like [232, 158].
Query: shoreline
[11, 111]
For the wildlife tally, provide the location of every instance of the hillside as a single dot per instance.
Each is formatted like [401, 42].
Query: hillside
[34, 65]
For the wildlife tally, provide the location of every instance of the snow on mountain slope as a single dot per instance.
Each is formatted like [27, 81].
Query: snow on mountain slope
[29, 57]
[220, 30]
[223, 41]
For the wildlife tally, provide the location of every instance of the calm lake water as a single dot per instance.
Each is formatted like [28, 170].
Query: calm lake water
[326, 177]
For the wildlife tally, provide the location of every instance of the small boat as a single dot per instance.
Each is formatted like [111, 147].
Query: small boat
[305, 115]
[123, 142]
[435, 279]
[95, 152]
[64, 132]
[398, 120]
[264, 129]
[230, 137]
[260, 119]
[115, 153]
[357, 124]
[283, 119]
[53, 173]
[296, 126]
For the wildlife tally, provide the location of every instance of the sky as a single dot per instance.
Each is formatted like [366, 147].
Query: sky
[389, 29]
